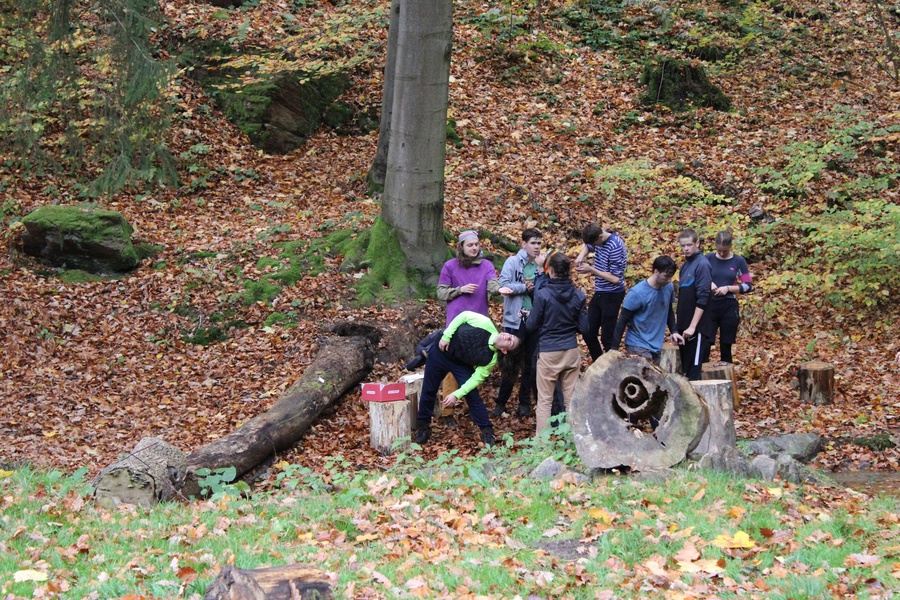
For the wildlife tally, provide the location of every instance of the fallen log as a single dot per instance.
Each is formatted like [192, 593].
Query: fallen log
[339, 366]
[288, 582]
[626, 411]
[153, 472]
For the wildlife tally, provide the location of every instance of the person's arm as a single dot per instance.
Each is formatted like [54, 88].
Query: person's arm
[480, 374]
[446, 293]
[493, 286]
[508, 277]
[745, 281]
[581, 322]
[581, 256]
[625, 317]
[536, 316]
[673, 329]
[703, 284]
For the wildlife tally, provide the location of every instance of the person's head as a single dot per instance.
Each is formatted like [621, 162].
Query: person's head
[591, 234]
[468, 248]
[506, 342]
[663, 271]
[689, 242]
[723, 244]
[559, 265]
[531, 242]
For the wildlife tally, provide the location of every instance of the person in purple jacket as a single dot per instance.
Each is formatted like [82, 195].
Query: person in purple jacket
[464, 284]
[730, 276]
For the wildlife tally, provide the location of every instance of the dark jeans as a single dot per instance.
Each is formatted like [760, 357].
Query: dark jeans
[436, 368]
[528, 380]
[603, 312]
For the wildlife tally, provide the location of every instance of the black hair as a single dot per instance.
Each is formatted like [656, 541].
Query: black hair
[531, 233]
[664, 264]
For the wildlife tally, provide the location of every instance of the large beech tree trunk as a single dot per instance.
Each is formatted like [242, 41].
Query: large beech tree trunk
[628, 412]
[413, 202]
[340, 365]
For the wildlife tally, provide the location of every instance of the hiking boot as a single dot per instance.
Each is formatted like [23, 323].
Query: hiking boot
[423, 433]
[487, 436]
[499, 409]
[449, 421]
[524, 410]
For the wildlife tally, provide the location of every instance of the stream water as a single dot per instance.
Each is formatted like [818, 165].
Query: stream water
[869, 482]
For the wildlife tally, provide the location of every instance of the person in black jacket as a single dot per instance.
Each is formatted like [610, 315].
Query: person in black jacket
[694, 288]
[468, 349]
[558, 313]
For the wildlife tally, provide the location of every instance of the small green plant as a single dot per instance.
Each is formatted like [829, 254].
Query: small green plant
[220, 482]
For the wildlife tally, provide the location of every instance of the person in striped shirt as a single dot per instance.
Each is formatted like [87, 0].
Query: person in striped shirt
[608, 269]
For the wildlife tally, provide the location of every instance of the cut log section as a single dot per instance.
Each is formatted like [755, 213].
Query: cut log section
[722, 370]
[153, 472]
[670, 358]
[389, 422]
[289, 582]
[720, 432]
[413, 383]
[628, 412]
[816, 383]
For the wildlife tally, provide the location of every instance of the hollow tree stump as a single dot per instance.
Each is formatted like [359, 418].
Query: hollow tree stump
[288, 582]
[719, 432]
[151, 473]
[615, 406]
[670, 358]
[816, 383]
[722, 370]
[413, 383]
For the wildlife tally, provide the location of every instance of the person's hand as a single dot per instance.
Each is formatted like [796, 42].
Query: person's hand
[678, 339]
[443, 345]
[688, 333]
[450, 400]
[469, 288]
[529, 285]
[720, 291]
[505, 291]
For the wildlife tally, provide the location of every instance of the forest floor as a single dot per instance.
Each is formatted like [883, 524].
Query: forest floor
[87, 370]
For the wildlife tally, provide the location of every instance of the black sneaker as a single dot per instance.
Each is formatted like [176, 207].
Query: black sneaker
[524, 410]
[487, 436]
[449, 421]
[415, 363]
[423, 434]
[499, 409]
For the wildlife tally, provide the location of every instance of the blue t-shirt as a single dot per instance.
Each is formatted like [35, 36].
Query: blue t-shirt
[651, 310]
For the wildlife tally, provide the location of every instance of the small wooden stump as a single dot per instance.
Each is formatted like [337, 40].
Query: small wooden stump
[816, 383]
[151, 473]
[413, 383]
[388, 422]
[719, 432]
[288, 582]
[722, 370]
[670, 358]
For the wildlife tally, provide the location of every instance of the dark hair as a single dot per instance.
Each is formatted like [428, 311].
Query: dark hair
[465, 261]
[664, 264]
[561, 265]
[591, 233]
[531, 233]
[723, 238]
[688, 233]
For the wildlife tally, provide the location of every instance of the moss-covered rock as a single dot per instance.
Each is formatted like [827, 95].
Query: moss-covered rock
[77, 237]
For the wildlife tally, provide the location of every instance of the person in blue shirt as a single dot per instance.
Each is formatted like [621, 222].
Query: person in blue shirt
[646, 311]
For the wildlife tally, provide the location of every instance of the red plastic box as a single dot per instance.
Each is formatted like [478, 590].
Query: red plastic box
[383, 392]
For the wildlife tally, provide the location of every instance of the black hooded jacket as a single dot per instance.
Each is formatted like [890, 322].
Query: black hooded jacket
[558, 314]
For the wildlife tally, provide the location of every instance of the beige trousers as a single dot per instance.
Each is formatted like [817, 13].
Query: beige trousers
[564, 365]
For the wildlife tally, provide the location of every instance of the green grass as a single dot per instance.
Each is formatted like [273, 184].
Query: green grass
[481, 526]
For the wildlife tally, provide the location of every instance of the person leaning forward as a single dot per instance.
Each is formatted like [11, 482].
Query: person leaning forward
[468, 349]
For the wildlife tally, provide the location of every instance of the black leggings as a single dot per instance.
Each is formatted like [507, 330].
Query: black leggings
[724, 318]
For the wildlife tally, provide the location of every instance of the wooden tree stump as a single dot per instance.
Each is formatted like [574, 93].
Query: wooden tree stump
[152, 472]
[670, 358]
[615, 405]
[719, 432]
[388, 422]
[816, 383]
[722, 370]
[288, 582]
[413, 383]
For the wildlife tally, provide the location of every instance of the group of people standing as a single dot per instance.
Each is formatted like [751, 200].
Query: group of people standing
[544, 312]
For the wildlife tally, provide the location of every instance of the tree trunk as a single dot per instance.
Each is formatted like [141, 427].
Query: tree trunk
[670, 358]
[413, 202]
[287, 582]
[816, 383]
[379, 164]
[389, 422]
[722, 370]
[628, 412]
[720, 433]
[340, 365]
